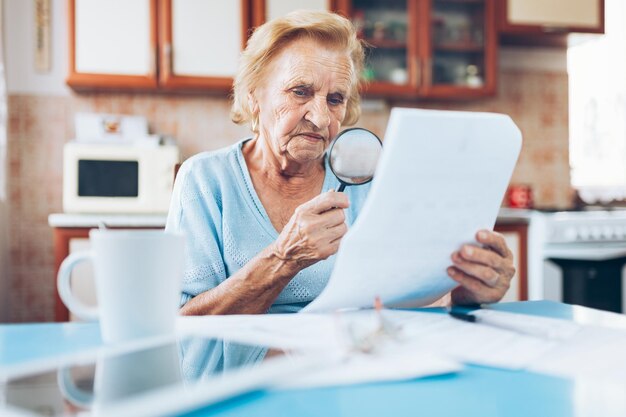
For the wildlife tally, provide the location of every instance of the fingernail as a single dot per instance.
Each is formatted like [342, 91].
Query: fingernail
[482, 235]
[468, 250]
[451, 271]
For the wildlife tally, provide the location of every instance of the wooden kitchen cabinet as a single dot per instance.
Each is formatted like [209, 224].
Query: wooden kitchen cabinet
[264, 10]
[427, 48]
[200, 43]
[547, 22]
[193, 44]
[112, 43]
[547, 16]
[516, 236]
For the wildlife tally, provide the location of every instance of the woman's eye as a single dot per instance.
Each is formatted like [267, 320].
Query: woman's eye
[300, 92]
[335, 100]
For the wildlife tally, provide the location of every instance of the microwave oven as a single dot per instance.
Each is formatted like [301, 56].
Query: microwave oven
[118, 178]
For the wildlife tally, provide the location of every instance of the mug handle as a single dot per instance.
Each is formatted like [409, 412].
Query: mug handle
[83, 311]
[71, 392]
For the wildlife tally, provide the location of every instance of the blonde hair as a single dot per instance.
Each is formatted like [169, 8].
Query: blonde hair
[268, 39]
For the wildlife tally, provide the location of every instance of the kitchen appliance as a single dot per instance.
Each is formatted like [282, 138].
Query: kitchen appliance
[582, 255]
[118, 178]
[115, 166]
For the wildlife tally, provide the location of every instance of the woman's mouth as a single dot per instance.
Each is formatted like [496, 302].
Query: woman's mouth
[312, 136]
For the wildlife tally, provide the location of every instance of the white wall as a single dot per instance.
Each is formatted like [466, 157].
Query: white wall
[19, 33]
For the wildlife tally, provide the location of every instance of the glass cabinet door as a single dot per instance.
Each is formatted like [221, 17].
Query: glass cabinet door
[389, 33]
[460, 57]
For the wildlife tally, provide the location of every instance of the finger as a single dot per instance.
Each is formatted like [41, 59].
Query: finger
[335, 233]
[331, 249]
[332, 217]
[482, 256]
[326, 201]
[470, 283]
[494, 241]
[486, 274]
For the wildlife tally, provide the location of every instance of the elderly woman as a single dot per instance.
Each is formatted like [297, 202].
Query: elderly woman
[261, 217]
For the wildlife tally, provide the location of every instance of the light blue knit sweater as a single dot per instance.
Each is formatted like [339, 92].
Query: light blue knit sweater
[215, 205]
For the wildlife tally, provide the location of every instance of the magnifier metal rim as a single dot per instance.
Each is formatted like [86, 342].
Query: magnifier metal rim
[332, 145]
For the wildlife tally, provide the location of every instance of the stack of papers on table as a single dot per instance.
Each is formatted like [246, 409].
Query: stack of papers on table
[418, 343]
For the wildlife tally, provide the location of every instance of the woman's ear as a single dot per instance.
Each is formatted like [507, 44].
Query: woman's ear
[253, 104]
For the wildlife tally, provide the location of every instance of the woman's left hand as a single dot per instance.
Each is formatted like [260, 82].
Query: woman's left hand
[484, 273]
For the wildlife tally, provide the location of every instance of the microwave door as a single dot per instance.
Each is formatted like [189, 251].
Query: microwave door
[102, 178]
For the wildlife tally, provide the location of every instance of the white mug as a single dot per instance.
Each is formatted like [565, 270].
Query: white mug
[138, 277]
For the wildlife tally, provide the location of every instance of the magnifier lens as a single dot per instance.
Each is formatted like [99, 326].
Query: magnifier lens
[353, 156]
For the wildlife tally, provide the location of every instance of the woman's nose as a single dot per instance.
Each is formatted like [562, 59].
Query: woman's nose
[318, 113]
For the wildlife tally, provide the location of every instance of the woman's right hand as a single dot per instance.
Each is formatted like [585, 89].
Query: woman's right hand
[314, 231]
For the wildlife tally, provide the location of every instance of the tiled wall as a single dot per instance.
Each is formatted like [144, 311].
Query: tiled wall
[40, 125]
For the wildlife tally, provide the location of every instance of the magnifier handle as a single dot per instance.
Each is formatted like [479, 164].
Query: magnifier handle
[341, 187]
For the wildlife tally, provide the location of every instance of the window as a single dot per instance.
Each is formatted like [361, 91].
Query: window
[597, 80]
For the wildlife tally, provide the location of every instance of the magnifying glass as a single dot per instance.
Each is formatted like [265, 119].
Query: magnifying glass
[353, 156]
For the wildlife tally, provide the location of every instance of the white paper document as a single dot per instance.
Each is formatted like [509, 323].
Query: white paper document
[360, 368]
[426, 343]
[352, 344]
[594, 352]
[471, 343]
[441, 177]
[406, 332]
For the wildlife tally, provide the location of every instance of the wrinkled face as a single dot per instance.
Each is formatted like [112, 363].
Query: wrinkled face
[302, 98]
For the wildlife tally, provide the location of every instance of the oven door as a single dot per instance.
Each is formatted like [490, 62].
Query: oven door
[588, 274]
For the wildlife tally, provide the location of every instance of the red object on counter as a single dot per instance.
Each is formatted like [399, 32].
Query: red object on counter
[519, 196]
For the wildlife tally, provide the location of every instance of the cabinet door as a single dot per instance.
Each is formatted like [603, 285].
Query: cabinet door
[516, 239]
[460, 50]
[389, 29]
[112, 43]
[201, 41]
[548, 16]
[264, 10]
[427, 48]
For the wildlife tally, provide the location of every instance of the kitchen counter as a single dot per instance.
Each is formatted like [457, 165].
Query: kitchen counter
[110, 220]
[515, 216]
[505, 216]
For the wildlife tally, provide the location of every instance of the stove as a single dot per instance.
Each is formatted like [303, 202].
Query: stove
[586, 227]
[578, 257]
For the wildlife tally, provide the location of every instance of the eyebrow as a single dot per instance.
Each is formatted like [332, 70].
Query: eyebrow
[300, 82]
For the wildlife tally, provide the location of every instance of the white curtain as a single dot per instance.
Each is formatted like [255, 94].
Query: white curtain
[4, 232]
[597, 112]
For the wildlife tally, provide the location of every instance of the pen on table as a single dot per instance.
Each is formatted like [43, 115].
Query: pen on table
[535, 327]
[463, 316]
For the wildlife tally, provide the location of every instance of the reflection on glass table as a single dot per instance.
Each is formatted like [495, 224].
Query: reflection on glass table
[155, 378]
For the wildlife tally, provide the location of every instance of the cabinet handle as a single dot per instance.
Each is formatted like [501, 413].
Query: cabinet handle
[553, 29]
[417, 65]
[167, 48]
[428, 71]
[153, 61]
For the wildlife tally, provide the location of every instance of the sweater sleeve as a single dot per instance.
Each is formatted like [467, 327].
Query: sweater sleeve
[195, 212]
